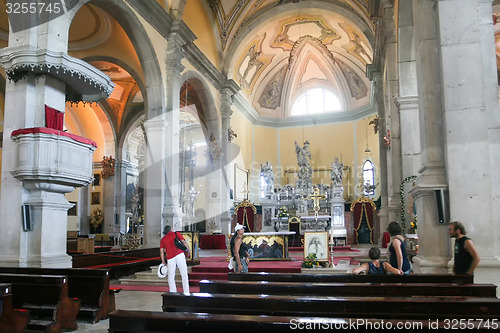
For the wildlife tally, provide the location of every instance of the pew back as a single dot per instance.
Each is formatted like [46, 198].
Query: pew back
[348, 289]
[44, 295]
[90, 286]
[352, 278]
[329, 306]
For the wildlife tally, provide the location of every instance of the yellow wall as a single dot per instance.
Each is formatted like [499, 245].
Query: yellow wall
[346, 141]
[243, 128]
[197, 20]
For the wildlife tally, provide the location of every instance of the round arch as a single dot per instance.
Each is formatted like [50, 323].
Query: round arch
[154, 97]
[206, 99]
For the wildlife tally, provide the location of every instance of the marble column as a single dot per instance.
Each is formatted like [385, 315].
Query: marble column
[179, 36]
[155, 180]
[471, 119]
[228, 91]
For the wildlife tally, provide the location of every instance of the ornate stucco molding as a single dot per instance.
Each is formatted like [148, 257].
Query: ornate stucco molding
[83, 81]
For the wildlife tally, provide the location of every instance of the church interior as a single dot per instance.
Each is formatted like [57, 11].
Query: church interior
[314, 123]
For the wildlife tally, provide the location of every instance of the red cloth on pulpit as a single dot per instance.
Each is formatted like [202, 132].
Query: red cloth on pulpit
[53, 118]
[46, 130]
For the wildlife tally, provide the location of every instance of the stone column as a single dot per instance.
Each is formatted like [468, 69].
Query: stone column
[383, 214]
[172, 210]
[471, 119]
[155, 180]
[433, 237]
[228, 91]
[121, 192]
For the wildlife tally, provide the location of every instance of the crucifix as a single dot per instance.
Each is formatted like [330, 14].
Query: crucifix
[316, 197]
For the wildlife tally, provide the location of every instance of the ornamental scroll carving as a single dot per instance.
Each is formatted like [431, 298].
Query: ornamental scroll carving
[108, 166]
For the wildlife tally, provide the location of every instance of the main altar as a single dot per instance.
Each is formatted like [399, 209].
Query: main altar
[304, 207]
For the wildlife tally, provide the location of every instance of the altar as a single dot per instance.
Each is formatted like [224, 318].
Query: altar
[267, 245]
[307, 223]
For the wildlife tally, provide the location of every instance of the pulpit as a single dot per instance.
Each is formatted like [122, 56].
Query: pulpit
[245, 213]
[363, 210]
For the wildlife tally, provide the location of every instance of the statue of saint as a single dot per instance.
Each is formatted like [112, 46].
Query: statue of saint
[336, 173]
[266, 170]
[188, 201]
[303, 154]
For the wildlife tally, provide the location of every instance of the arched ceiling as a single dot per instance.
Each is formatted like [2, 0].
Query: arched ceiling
[277, 49]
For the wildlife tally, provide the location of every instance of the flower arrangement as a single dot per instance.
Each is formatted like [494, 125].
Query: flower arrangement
[96, 218]
[283, 212]
[311, 262]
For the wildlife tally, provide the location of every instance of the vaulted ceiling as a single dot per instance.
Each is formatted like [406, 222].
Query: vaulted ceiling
[277, 49]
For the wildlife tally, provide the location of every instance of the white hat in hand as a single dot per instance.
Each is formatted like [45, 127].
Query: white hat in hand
[162, 271]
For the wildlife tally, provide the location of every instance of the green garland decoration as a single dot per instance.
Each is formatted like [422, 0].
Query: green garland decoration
[402, 196]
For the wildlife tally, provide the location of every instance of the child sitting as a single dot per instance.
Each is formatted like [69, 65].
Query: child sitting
[375, 267]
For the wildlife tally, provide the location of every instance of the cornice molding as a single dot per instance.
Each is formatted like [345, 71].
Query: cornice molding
[83, 81]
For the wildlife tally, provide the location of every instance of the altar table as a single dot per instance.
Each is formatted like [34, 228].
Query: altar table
[213, 242]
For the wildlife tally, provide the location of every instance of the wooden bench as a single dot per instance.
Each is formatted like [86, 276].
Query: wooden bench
[152, 321]
[90, 286]
[324, 306]
[348, 289]
[352, 278]
[46, 296]
[11, 320]
[118, 263]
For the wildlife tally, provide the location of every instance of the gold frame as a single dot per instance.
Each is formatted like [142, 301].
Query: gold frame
[322, 236]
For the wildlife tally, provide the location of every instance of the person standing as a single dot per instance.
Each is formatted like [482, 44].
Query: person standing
[466, 255]
[175, 258]
[238, 250]
[397, 249]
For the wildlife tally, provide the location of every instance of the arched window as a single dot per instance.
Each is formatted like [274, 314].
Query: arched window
[368, 178]
[316, 101]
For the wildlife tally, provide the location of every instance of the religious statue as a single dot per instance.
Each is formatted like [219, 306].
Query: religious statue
[336, 173]
[305, 171]
[135, 207]
[266, 171]
[188, 201]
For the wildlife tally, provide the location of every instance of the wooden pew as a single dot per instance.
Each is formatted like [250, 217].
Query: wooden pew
[348, 289]
[324, 306]
[44, 295]
[11, 320]
[90, 286]
[151, 321]
[350, 278]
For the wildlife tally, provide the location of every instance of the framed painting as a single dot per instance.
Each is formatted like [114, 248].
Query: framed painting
[316, 242]
[97, 179]
[95, 198]
[240, 183]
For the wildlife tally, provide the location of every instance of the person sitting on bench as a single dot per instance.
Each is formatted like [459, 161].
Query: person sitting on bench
[375, 267]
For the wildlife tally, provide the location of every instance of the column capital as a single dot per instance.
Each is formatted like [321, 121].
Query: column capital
[156, 124]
